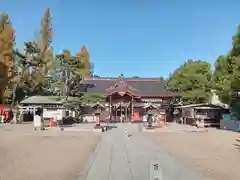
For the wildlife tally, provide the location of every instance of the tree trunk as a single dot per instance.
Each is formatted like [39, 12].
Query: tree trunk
[1, 95]
[14, 95]
[14, 111]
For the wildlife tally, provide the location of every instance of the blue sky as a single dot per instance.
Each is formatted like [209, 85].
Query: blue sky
[147, 38]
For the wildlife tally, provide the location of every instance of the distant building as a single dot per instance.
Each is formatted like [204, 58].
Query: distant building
[129, 96]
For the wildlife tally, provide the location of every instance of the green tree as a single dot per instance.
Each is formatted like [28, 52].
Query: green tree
[221, 78]
[63, 73]
[41, 53]
[89, 98]
[20, 81]
[192, 80]
[34, 64]
[226, 76]
[235, 62]
[70, 73]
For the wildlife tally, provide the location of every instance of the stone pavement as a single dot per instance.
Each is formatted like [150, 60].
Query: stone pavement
[119, 157]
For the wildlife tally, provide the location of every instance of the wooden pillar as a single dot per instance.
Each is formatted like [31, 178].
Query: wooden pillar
[131, 109]
[120, 110]
[126, 114]
[116, 112]
[110, 107]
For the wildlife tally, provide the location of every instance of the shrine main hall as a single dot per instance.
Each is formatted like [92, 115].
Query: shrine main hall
[129, 96]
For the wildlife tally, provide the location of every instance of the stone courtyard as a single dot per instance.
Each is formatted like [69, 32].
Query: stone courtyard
[81, 154]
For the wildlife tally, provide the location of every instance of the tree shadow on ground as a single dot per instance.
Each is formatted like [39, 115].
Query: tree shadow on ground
[237, 144]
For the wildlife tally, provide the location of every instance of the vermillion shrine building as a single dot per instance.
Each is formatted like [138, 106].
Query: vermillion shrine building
[129, 96]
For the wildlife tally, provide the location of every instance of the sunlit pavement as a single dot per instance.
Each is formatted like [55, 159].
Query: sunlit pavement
[123, 157]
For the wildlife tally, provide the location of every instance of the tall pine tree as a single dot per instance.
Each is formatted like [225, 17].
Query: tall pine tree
[6, 53]
[226, 76]
[86, 67]
[42, 56]
[235, 62]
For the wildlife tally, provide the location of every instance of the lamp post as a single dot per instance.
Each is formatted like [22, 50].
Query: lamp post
[150, 110]
[97, 113]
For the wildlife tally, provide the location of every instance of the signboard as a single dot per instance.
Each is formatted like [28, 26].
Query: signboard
[151, 100]
[155, 171]
[151, 111]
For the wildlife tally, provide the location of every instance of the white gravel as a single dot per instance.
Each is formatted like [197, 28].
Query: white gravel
[49, 155]
[215, 153]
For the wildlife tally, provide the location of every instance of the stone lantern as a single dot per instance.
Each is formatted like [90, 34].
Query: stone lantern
[150, 111]
[97, 111]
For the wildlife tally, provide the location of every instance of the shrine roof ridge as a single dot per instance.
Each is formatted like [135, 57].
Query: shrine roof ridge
[139, 87]
[125, 78]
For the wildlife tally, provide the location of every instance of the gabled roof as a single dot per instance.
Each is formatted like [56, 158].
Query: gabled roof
[202, 106]
[39, 100]
[142, 87]
[122, 86]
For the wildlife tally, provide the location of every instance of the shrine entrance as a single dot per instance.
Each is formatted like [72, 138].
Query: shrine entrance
[120, 107]
[121, 112]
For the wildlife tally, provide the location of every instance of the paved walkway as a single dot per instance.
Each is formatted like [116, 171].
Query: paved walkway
[119, 157]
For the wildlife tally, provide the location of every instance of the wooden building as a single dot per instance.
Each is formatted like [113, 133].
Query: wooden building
[51, 108]
[129, 96]
[209, 113]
